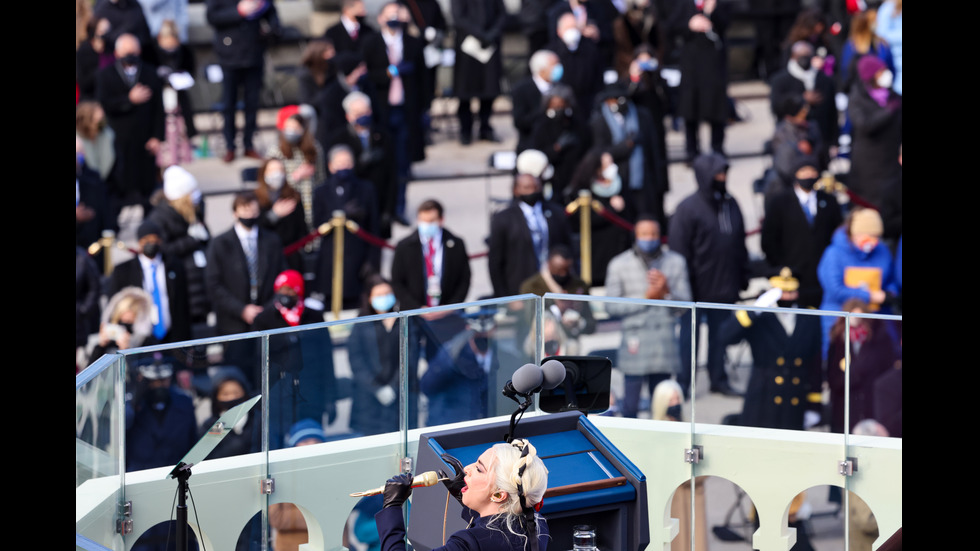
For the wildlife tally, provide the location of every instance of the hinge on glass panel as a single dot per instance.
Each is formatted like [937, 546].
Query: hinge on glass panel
[406, 464]
[848, 467]
[694, 455]
[124, 524]
[267, 486]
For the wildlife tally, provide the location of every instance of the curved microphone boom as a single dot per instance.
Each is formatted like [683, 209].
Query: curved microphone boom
[428, 478]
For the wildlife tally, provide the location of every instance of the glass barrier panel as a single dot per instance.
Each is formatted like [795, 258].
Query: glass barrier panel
[864, 368]
[366, 370]
[99, 419]
[176, 392]
[641, 340]
[761, 366]
[309, 375]
[461, 356]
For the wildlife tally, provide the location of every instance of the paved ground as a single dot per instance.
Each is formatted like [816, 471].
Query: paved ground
[460, 177]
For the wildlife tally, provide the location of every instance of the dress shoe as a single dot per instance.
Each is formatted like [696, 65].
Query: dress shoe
[253, 154]
[488, 135]
[465, 138]
[229, 156]
[401, 220]
[725, 389]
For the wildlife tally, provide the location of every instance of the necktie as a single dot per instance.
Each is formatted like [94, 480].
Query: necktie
[251, 255]
[537, 237]
[806, 211]
[159, 330]
[430, 255]
[396, 91]
[353, 34]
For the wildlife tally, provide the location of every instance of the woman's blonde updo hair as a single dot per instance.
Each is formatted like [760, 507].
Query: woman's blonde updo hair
[512, 466]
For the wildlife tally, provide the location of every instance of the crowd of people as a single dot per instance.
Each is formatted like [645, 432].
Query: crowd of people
[591, 113]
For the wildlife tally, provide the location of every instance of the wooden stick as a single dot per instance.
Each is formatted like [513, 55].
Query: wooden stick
[585, 487]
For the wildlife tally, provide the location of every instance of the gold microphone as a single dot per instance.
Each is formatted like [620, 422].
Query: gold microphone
[428, 478]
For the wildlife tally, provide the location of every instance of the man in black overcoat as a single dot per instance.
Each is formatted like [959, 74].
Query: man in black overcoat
[522, 234]
[131, 94]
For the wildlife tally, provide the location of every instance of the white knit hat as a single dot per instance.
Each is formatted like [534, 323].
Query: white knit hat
[535, 163]
[177, 182]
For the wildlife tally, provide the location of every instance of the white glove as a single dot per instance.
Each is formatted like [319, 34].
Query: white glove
[810, 419]
[385, 395]
[769, 298]
[198, 231]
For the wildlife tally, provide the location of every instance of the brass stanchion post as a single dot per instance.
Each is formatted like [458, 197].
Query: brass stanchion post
[106, 243]
[338, 222]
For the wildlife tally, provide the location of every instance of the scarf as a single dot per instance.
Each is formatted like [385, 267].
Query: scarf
[291, 315]
[630, 126]
[880, 95]
[808, 77]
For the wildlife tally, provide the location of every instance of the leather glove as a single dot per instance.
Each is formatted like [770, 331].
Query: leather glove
[455, 483]
[397, 490]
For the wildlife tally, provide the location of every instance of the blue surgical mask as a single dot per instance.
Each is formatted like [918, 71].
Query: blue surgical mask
[648, 245]
[428, 230]
[363, 120]
[383, 303]
[557, 72]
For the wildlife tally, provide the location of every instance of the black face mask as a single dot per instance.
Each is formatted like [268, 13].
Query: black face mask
[482, 344]
[287, 301]
[249, 222]
[806, 183]
[531, 198]
[551, 348]
[718, 186]
[674, 412]
[804, 63]
[130, 59]
[344, 174]
[151, 250]
[158, 397]
[394, 24]
[562, 281]
[223, 406]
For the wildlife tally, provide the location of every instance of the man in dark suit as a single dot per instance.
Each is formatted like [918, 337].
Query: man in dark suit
[546, 71]
[522, 234]
[242, 265]
[242, 29]
[370, 144]
[627, 131]
[480, 23]
[798, 226]
[800, 78]
[394, 65]
[131, 94]
[349, 33]
[164, 278]
[582, 62]
[430, 266]
[357, 198]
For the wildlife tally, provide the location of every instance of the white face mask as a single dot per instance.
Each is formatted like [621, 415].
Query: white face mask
[610, 172]
[885, 79]
[275, 179]
[571, 38]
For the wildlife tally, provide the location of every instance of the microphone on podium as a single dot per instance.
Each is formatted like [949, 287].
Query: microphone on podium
[428, 478]
[554, 374]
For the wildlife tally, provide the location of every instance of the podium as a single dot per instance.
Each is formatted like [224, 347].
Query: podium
[589, 482]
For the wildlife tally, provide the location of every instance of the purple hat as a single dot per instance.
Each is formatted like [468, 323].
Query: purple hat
[868, 66]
